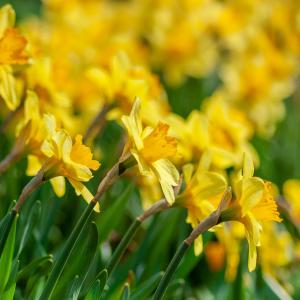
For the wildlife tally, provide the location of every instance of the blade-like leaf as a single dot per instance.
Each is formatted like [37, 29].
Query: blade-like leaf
[11, 284]
[95, 291]
[7, 257]
[31, 220]
[111, 217]
[126, 292]
[146, 288]
[39, 265]
[75, 289]
[80, 260]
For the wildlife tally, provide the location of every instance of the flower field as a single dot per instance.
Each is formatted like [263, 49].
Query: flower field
[149, 150]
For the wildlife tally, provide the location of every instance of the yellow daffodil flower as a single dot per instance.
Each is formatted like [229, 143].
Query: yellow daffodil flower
[291, 192]
[254, 203]
[69, 159]
[202, 195]
[152, 148]
[12, 51]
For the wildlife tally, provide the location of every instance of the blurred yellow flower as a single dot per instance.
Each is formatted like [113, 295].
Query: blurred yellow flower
[202, 195]
[152, 149]
[291, 192]
[12, 51]
[12, 48]
[254, 203]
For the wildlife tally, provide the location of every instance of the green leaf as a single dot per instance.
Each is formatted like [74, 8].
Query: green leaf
[278, 292]
[80, 260]
[146, 288]
[157, 253]
[95, 291]
[67, 251]
[11, 284]
[102, 276]
[31, 221]
[5, 228]
[175, 290]
[7, 257]
[39, 265]
[75, 289]
[126, 292]
[112, 216]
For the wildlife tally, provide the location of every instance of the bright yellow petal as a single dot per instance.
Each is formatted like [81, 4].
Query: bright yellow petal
[252, 231]
[209, 184]
[133, 124]
[168, 177]
[248, 166]
[8, 87]
[33, 165]
[12, 48]
[198, 245]
[166, 171]
[59, 185]
[187, 171]
[7, 18]
[144, 168]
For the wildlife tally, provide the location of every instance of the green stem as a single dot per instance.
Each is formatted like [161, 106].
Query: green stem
[163, 284]
[66, 252]
[127, 238]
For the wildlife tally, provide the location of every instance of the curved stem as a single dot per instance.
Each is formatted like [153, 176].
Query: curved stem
[163, 284]
[30, 187]
[97, 123]
[204, 226]
[10, 158]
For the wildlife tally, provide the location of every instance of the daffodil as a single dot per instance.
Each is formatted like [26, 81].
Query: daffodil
[254, 203]
[291, 192]
[66, 159]
[202, 195]
[12, 51]
[30, 133]
[122, 81]
[152, 148]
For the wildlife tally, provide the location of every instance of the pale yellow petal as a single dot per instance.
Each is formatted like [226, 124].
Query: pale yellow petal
[144, 168]
[33, 165]
[8, 89]
[187, 171]
[198, 245]
[59, 185]
[252, 193]
[248, 166]
[252, 231]
[168, 177]
[209, 184]
[7, 18]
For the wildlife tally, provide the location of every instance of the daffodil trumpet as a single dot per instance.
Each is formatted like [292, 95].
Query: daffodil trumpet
[212, 220]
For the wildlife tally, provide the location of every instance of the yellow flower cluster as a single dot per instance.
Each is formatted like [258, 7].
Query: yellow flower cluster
[86, 57]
